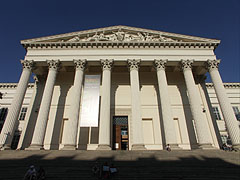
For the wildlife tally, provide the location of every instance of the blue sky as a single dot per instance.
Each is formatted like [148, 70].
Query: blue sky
[25, 19]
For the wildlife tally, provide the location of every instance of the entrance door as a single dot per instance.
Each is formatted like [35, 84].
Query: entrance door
[120, 132]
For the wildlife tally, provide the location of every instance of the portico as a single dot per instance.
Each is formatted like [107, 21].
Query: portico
[145, 75]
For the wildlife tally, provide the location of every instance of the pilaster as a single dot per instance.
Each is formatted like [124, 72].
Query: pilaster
[9, 127]
[202, 129]
[228, 114]
[138, 143]
[104, 129]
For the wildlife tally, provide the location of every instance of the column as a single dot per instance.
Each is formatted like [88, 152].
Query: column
[14, 110]
[41, 124]
[137, 131]
[168, 123]
[72, 126]
[104, 127]
[202, 129]
[228, 114]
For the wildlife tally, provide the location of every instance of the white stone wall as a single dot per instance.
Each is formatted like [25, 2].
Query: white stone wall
[233, 93]
[8, 90]
[121, 105]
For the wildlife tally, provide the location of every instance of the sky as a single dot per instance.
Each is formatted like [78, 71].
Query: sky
[26, 19]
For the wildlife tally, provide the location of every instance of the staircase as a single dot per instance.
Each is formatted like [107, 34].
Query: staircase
[131, 165]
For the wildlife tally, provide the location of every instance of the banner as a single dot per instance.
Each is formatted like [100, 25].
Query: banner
[90, 101]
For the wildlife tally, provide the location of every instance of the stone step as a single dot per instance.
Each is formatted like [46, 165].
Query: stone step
[73, 165]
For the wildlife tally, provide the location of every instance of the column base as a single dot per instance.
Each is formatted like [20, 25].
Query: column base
[6, 147]
[35, 147]
[174, 147]
[138, 147]
[104, 147]
[69, 147]
[205, 146]
[236, 147]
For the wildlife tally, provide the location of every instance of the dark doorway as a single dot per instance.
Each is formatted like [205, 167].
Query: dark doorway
[120, 132]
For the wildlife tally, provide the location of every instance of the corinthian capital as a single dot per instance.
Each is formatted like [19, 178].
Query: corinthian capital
[212, 64]
[27, 64]
[53, 64]
[107, 64]
[186, 64]
[80, 64]
[133, 64]
[160, 64]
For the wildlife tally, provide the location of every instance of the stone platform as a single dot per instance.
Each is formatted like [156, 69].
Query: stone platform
[149, 165]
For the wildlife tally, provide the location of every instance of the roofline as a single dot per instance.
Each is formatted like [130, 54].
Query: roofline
[14, 85]
[114, 27]
[226, 85]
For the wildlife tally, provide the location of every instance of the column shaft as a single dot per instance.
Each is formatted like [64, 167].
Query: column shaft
[104, 127]
[228, 113]
[138, 142]
[42, 119]
[14, 110]
[168, 123]
[202, 129]
[72, 126]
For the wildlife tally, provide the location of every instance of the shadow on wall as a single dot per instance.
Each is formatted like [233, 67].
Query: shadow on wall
[188, 116]
[59, 117]
[131, 165]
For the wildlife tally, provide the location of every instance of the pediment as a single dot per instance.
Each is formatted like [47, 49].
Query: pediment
[118, 34]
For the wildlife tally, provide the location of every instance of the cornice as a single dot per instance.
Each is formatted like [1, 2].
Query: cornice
[14, 85]
[119, 44]
[226, 85]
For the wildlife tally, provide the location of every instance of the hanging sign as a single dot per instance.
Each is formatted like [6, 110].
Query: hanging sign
[90, 101]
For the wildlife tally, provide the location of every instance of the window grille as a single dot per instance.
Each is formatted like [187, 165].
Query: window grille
[3, 115]
[216, 113]
[120, 120]
[237, 113]
[23, 114]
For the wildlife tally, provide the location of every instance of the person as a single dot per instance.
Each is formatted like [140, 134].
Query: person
[105, 171]
[168, 148]
[113, 170]
[224, 147]
[31, 173]
[96, 169]
[41, 173]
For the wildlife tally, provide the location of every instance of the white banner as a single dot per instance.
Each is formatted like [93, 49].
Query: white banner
[90, 101]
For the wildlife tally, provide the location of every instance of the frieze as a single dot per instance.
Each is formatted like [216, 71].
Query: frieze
[134, 64]
[27, 64]
[107, 64]
[53, 64]
[80, 64]
[160, 64]
[212, 64]
[122, 36]
[186, 64]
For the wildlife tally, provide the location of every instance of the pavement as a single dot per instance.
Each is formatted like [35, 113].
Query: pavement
[131, 165]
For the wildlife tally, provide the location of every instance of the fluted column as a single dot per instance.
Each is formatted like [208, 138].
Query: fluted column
[168, 123]
[137, 131]
[202, 129]
[71, 128]
[8, 130]
[42, 119]
[104, 127]
[228, 114]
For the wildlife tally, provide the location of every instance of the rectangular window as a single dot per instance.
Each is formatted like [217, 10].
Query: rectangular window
[22, 114]
[237, 113]
[216, 113]
[3, 115]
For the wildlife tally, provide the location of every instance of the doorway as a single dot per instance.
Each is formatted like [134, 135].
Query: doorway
[120, 132]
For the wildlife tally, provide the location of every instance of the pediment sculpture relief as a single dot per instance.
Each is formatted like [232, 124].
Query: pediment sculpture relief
[122, 36]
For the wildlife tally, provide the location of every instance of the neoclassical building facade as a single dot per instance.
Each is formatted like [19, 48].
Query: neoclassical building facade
[119, 88]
